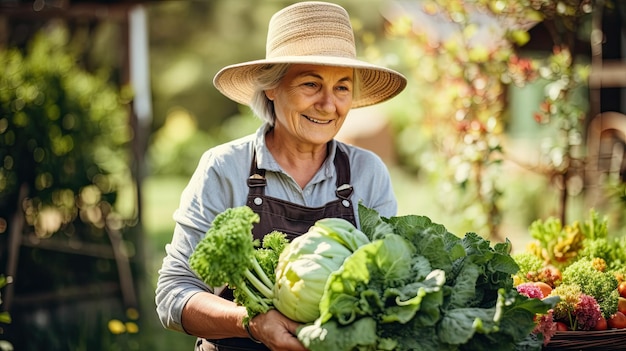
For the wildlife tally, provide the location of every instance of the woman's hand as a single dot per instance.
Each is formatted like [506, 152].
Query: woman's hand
[276, 331]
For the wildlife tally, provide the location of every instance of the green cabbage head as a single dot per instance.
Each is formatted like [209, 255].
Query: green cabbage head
[306, 263]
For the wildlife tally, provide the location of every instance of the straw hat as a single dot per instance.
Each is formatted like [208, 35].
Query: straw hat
[311, 33]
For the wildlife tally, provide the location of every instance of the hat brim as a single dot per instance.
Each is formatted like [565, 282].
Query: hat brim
[378, 84]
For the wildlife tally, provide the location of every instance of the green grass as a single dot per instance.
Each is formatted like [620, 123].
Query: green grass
[160, 198]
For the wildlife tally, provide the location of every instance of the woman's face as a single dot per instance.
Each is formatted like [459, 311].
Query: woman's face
[311, 102]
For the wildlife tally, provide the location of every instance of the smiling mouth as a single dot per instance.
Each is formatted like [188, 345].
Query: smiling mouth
[316, 120]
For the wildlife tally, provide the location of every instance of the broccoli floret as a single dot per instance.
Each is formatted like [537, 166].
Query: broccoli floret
[528, 264]
[533, 269]
[598, 243]
[228, 255]
[593, 282]
[600, 247]
[568, 294]
[612, 250]
[273, 244]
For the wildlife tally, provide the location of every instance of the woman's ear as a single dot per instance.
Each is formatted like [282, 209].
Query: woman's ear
[270, 94]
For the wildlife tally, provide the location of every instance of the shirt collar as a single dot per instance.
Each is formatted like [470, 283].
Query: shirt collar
[266, 161]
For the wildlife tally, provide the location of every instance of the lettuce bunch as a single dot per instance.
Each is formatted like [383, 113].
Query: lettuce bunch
[416, 286]
[307, 261]
[399, 283]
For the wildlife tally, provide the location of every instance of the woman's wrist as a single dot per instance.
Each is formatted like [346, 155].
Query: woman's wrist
[246, 326]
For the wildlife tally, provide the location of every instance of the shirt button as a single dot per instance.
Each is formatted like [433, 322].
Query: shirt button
[345, 203]
[258, 201]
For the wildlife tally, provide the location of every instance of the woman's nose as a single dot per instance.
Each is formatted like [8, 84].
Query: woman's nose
[326, 101]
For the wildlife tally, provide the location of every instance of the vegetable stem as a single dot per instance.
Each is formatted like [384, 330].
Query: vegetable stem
[253, 297]
[261, 274]
[258, 284]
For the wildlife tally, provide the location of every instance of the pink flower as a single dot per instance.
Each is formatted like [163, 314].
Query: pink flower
[587, 312]
[546, 326]
[530, 290]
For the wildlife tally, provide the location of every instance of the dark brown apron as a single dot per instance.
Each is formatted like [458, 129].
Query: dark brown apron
[289, 218]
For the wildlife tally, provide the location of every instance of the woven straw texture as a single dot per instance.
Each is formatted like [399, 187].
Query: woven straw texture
[604, 340]
[316, 33]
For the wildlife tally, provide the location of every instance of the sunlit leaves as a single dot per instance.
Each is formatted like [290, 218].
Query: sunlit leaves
[465, 53]
[62, 129]
[563, 109]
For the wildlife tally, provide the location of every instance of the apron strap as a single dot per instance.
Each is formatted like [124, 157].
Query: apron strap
[342, 164]
[257, 181]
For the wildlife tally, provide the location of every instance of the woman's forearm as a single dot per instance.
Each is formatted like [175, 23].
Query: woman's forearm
[209, 316]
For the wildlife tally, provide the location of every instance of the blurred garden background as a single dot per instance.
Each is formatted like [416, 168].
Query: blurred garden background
[514, 112]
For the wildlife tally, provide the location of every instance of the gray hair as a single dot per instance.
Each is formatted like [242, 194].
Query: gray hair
[269, 77]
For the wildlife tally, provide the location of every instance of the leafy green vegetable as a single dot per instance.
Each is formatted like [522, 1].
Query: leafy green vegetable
[306, 263]
[582, 262]
[601, 285]
[382, 283]
[515, 315]
[561, 245]
[598, 243]
[359, 335]
[382, 279]
[288, 276]
[576, 309]
[228, 255]
[402, 283]
[555, 243]
[529, 264]
[416, 286]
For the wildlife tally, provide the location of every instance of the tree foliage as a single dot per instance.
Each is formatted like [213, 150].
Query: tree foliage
[64, 137]
[464, 57]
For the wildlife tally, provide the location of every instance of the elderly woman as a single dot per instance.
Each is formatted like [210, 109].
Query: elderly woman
[291, 171]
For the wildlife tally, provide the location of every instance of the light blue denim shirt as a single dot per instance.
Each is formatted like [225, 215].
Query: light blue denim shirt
[219, 182]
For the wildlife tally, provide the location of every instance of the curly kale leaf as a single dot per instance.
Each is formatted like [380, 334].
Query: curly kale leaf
[477, 276]
[417, 286]
[228, 255]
